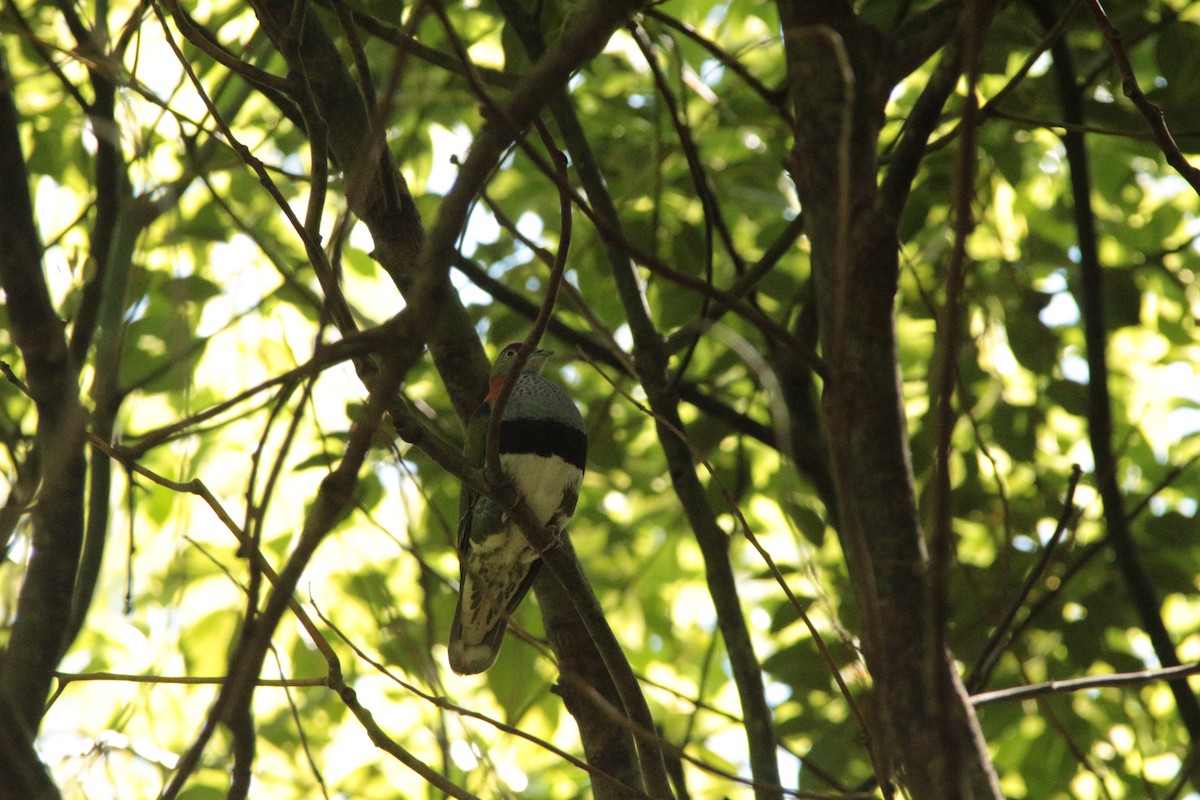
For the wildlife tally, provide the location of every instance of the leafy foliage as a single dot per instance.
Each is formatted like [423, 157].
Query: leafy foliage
[211, 303]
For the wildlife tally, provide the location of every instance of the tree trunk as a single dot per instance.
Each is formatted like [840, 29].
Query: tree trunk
[841, 71]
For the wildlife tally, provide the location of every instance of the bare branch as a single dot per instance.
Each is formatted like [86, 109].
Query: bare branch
[1152, 113]
[333, 500]
[1099, 409]
[981, 671]
[1091, 682]
[43, 606]
[67, 678]
[208, 44]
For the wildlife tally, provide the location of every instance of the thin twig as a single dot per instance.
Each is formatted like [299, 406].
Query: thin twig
[775, 98]
[333, 498]
[977, 678]
[1152, 113]
[8, 373]
[1091, 300]
[67, 678]
[1090, 682]
[308, 756]
[751, 537]
[333, 679]
[613, 236]
[443, 703]
[492, 464]
[943, 695]
[207, 44]
[323, 357]
[989, 108]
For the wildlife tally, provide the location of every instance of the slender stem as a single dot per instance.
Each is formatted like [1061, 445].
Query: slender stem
[978, 676]
[42, 620]
[492, 465]
[1090, 682]
[1100, 416]
[1153, 114]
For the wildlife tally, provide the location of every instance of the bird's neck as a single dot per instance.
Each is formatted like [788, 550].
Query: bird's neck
[494, 387]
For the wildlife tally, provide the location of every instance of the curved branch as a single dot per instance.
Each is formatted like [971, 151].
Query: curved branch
[492, 458]
[1099, 414]
[44, 602]
[334, 498]
[410, 44]
[208, 44]
[775, 98]
[1175, 673]
[650, 361]
[840, 72]
[1152, 113]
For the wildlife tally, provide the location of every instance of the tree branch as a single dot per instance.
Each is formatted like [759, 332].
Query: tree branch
[650, 360]
[22, 773]
[111, 190]
[841, 76]
[333, 500]
[377, 193]
[918, 37]
[980, 672]
[775, 98]
[1176, 673]
[44, 603]
[1152, 113]
[1099, 414]
[609, 746]
[945, 695]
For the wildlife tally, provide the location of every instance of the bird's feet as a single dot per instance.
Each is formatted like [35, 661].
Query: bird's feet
[507, 513]
[557, 528]
[556, 539]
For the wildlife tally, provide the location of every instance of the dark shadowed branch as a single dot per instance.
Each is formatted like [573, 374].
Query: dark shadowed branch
[978, 676]
[39, 631]
[1099, 410]
[1133, 90]
[1175, 673]
[650, 359]
[841, 76]
[333, 500]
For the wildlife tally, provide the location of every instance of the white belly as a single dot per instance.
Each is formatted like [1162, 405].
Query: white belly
[542, 481]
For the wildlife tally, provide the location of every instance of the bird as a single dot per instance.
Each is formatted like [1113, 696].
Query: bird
[543, 452]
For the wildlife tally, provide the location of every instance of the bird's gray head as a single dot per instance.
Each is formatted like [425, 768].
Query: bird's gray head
[508, 358]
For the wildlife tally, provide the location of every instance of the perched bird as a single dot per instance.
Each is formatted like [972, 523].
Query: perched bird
[543, 448]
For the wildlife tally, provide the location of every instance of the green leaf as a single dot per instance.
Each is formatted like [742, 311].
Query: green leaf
[1177, 51]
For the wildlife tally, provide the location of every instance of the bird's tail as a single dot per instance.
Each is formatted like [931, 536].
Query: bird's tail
[479, 624]
[470, 655]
